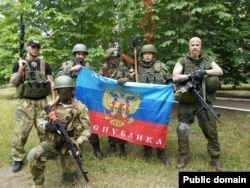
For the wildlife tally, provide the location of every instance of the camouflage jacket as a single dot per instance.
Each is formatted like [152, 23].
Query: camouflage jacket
[156, 73]
[74, 117]
[114, 72]
[65, 69]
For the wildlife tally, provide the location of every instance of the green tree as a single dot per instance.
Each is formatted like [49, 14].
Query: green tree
[222, 25]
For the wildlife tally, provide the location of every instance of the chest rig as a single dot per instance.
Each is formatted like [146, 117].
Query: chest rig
[151, 74]
[34, 84]
[68, 116]
[189, 66]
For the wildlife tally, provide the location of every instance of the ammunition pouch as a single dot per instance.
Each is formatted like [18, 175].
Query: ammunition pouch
[36, 89]
[184, 96]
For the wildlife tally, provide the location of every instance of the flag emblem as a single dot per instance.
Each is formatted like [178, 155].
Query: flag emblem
[120, 105]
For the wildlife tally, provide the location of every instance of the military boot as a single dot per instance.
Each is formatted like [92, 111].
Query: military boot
[147, 152]
[123, 153]
[217, 164]
[162, 156]
[112, 150]
[17, 166]
[97, 152]
[182, 161]
[69, 179]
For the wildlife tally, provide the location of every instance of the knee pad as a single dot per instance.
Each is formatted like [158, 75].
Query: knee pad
[31, 155]
[35, 153]
[182, 130]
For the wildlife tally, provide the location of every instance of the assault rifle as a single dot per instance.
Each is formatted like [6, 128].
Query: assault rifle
[22, 33]
[195, 89]
[70, 145]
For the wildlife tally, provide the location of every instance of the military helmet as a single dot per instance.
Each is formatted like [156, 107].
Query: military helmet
[212, 84]
[64, 81]
[80, 48]
[112, 52]
[148, 48]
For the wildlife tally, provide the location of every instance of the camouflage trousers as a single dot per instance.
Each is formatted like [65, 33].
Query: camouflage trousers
[38, 156]
[207, 123]
[27, 111]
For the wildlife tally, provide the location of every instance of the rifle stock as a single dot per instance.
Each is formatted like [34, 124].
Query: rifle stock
[205, 105]
[70, 145]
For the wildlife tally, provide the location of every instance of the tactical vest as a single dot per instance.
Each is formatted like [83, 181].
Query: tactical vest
[119, 71]
[189, 66]
[155, 74]
[34, 84]
[69, 119]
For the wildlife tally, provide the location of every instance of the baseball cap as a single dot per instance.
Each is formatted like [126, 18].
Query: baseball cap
[34, 42]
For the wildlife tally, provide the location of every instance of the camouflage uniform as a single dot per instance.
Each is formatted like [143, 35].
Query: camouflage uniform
[27, 108]
[66, 66]
[154, 72]
[75, 118]
[115, 71]
[65, 69]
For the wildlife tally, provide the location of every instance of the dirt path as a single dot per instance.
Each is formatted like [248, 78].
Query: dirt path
[8, 179]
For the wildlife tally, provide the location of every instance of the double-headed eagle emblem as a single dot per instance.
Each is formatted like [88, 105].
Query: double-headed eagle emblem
[120, 105]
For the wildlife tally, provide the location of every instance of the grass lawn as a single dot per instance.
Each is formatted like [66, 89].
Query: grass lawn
[133, 172]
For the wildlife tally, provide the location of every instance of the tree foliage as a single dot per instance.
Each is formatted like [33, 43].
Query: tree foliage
[222, 25]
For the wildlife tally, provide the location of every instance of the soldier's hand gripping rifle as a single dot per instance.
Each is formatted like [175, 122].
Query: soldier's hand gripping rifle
[21, 40]
[195, 89]
[70, 145]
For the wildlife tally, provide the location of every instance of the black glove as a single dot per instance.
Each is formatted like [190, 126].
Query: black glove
[50, 127]
[198, 75]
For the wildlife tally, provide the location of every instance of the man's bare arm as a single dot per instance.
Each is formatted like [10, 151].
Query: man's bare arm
[215, 71]
[52, 83]
[16, 77]
[177, 73]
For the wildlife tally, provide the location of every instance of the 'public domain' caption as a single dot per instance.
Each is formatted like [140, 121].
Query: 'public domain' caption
[217, 179]
[195, 179]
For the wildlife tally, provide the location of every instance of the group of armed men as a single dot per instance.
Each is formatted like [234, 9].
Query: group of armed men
[33, 80]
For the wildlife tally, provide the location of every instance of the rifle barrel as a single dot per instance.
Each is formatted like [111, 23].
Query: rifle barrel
[22, 33]
[205, 105]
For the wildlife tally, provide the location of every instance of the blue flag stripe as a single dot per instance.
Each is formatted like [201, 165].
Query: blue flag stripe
[155, 100]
